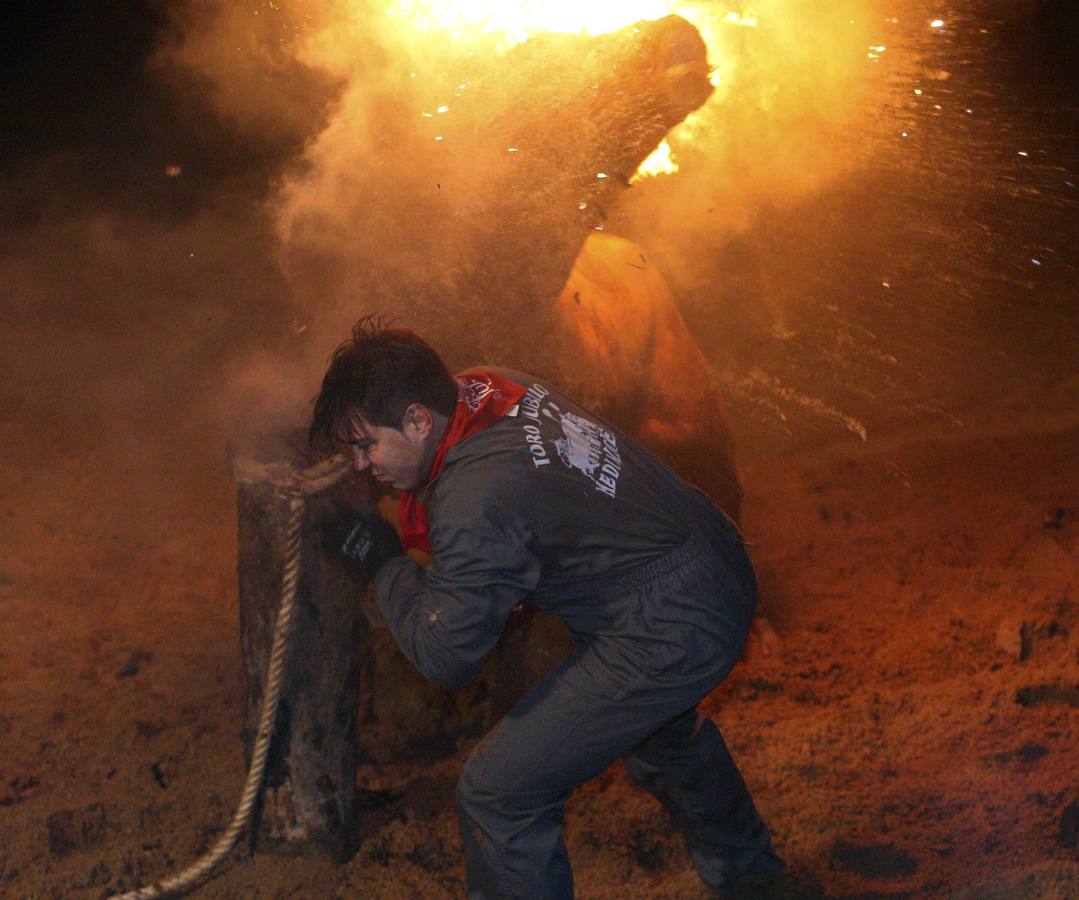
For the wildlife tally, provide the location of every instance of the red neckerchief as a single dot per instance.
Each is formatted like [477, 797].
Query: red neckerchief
[482, 399]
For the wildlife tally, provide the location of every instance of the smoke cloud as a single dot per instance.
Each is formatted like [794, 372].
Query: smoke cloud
[275, 171]
[404, 182]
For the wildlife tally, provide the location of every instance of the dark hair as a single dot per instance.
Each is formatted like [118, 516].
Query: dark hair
[379, 372]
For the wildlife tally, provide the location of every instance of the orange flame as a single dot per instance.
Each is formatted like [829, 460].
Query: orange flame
[518, 21]
[514, 23]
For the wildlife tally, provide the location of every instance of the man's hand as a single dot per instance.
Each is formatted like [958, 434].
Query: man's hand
[365, 541]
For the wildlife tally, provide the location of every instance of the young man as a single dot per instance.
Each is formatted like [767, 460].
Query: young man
[516, 491]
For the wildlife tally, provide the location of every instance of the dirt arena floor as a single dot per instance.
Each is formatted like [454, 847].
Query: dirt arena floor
[908, 730]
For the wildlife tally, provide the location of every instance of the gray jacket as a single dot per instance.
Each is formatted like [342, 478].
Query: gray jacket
[553, 504]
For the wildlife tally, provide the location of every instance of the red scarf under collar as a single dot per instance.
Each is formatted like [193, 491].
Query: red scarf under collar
[482, 399]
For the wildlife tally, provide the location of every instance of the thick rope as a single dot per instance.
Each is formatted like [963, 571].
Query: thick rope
[202, 867]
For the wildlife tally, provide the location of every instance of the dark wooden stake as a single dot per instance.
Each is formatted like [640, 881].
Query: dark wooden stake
[310, 784]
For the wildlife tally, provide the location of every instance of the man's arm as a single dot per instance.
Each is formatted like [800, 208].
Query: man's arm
[447, 617]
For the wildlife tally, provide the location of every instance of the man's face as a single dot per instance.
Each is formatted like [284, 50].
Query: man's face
[400, 458]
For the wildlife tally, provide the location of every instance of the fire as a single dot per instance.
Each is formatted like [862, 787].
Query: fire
[513, 23]
[659, 162]
[790, 86]
[518, 21]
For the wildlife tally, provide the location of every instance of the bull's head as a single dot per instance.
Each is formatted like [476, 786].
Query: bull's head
[475, 217]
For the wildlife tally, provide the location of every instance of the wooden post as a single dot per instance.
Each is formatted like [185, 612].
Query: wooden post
[309, 800]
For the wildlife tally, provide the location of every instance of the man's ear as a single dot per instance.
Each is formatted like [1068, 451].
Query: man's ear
[418, 422]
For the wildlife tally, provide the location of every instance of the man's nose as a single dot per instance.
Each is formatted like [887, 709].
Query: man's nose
[359, 459]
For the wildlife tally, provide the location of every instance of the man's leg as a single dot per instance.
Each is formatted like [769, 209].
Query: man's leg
[687, 767]
[616, 695]
[513, 842]
[512, 792]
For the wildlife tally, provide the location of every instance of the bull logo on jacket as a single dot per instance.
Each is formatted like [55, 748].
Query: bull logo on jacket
[593, 450]
[474, 391]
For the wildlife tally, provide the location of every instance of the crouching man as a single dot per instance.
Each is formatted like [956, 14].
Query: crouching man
[516, 491]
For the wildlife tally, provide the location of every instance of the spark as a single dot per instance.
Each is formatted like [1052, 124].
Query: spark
[443, 109]
[1036, 261]
[918, 91]
[601, 174]
[1023, 153]
[937, 23]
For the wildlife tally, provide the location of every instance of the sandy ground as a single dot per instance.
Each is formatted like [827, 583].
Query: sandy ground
[912, 733]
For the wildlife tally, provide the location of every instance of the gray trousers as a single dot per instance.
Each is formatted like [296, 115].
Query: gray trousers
[630, 693]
